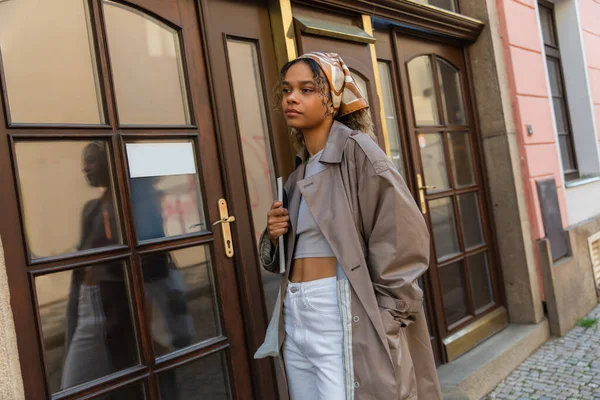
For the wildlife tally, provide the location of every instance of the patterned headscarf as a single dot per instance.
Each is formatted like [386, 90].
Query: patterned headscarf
[345, 94]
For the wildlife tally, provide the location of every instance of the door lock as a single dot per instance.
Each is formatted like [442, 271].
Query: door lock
[225, 220]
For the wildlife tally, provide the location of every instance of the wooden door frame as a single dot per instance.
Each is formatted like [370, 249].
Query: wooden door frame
[184, 16]
[230, 147]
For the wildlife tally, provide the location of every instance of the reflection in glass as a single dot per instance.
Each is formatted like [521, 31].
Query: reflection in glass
[449, 5]
[479, 276]
[131, 392]
[165, 190]
[452, 97]
[453, 292]
[203, 379]
[546, 20]
[56, 35]
[254, 135]
[462, 161]
[180, 292]
[362, 85]
[560, 115]
[68, 196]
[566, 151]
[422, 91]
[441, 213]
[87, 325]
[470, 219]
[554, 76]
[147, 68]
[391, 118]
[433, 160]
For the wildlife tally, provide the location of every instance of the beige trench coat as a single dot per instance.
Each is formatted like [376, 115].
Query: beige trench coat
[381, 242]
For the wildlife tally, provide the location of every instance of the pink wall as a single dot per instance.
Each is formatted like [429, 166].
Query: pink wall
[590, 24]
[531, 104]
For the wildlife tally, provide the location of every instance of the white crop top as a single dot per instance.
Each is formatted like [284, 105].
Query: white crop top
[311, 242]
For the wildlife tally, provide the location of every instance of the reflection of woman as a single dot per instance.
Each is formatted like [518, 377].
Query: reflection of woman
[100, 335]
[352, 324]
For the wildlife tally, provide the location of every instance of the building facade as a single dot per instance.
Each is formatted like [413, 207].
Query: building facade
[553, 67]
[134, 131]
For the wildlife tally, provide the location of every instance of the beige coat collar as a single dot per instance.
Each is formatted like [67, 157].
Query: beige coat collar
[334, 148]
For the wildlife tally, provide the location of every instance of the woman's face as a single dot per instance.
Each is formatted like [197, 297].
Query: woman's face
[302, 102]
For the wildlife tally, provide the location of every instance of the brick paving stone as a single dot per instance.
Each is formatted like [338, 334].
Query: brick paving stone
[565, 368]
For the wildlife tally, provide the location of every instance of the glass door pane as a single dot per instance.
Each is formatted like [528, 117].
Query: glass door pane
[180, 292]
[68, 195]
[165, 189]
[424, 102]
[253, 130]
[391, 118]
[147, 68]
[203, 379]
[49, 62]
[85, 314]
[454, 292]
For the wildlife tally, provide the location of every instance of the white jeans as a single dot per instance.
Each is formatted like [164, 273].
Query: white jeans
[312, 350]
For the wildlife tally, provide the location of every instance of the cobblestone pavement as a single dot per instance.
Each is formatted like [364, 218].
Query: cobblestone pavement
[563, 368]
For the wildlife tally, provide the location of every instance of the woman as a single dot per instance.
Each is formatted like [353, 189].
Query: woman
[353, 326]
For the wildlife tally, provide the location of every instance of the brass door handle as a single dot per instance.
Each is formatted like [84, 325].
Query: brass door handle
[422, 189]
[225, 220]
[427, 187]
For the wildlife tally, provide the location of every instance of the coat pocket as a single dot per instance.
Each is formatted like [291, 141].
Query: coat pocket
[404, 369]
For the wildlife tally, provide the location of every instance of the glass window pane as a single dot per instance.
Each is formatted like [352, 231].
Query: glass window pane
[452, 96]
[445, 4]
[554, 76]
[85, 315]
[68, 196]
[560, 114]
[479, 275]
[203, 379]
[362, 85]
[422, 91]
[433, 160]
[180, 292]
[56, 35]
[130, 392]
[165, 190]
[441, 213]
[454, 292]
[254, 134]
[391, 118]
[462, 161]
[566, 152]
[470, 219]
[547, 23]
[147, 68]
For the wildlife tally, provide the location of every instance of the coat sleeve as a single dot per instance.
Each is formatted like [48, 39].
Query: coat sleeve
[396, 237]
[269, 254]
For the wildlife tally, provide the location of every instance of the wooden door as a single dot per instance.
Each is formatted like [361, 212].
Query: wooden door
[122, 285]
[256, 143]
[448, 183]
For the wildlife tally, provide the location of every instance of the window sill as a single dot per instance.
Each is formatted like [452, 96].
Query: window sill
[582, 181]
